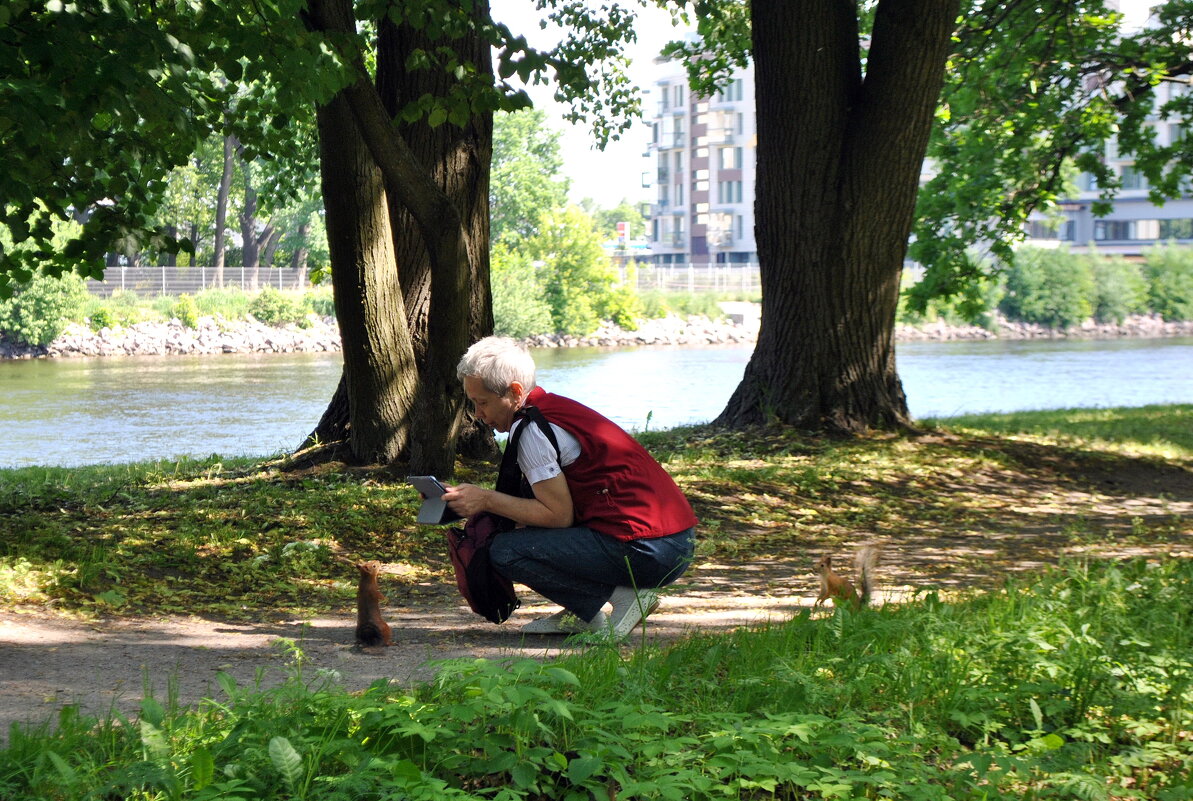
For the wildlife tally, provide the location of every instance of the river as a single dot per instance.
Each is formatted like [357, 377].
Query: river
[71, 412]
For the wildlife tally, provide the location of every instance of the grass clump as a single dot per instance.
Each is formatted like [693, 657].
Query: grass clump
[1076, 684]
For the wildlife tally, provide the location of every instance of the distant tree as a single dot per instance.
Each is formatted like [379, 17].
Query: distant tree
[574, 270]
[606, 220]
[519, 308]
[1049, 287]
[1169, 270]
[527, 182]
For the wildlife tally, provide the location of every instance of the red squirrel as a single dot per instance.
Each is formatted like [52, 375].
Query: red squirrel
[839, 588]
[370, 628]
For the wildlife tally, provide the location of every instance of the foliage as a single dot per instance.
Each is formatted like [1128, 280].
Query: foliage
[1048, 287]
[231, 303]
[575, 273]
[1002, 152]
[606, 220]
[975, 310]
[1170, 281]
[1119, 289]
[185, 311]
[320, 302]
[39, 311]
[519, 308]
[525, 182]
[101, 318]
[1077, 681]
[276, 308]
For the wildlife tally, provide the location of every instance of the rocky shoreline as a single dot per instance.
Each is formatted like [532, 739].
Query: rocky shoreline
[217, 336]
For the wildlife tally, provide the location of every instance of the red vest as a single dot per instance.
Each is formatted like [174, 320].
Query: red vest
[617, 487]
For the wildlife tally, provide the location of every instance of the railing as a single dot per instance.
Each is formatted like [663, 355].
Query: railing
[189, 280]
[727, 277]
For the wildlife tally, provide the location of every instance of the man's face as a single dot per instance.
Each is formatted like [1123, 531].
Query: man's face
[493, 409]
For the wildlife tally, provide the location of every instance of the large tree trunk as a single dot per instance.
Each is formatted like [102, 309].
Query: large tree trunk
[839, 162]
[458, 160]
[379, 374]
[368, 302]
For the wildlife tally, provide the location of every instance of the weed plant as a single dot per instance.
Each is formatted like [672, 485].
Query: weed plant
[1076, 684]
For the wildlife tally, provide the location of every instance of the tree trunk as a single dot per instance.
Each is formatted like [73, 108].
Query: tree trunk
[379, 373]
[458, 160]
[298, 259]
[250, 250]
[436, 417]
[268, 242]
[221, 211]
[839, 162]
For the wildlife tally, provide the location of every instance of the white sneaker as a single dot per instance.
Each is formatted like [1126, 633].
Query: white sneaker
[564, 622]
[630, 608]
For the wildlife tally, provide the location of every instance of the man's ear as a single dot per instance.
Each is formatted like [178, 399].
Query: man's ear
[517, 391]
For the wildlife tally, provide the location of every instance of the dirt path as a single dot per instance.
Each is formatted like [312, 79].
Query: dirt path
[47, 662]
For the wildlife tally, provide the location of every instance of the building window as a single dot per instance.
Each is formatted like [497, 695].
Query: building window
[729, 191]
[679, 194]
[731, 93]
[1045, 229]
[730, 158]
[1176, 229]
[1108, 230]
[677, 95]
[1133, 178]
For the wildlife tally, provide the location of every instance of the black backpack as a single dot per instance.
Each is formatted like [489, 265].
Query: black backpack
[490, 594]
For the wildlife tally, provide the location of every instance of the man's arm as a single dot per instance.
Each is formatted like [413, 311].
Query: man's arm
[551, 506]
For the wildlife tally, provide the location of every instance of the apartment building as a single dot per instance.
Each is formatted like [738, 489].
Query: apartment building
[704, 150]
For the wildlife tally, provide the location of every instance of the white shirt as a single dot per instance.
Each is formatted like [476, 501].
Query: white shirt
[536, 455]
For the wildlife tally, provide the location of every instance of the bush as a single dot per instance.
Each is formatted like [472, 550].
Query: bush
[320, 301]
[231, 303]
[518, 306]
[1169, 271]
[1048, 287]
[275, 308]
[1120, 289]
[185, 311]
[101, 318]
[38, 312]
[623, 307]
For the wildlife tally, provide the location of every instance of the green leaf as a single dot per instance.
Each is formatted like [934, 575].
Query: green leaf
[64, 770]
[524, 774]
[437, 117]
[154, 741]
[286, 759]
[583, 767]
[202, 768]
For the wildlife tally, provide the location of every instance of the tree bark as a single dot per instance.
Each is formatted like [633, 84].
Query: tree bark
[839, 158]
[436, 410]
[380, 378]
[221, 211]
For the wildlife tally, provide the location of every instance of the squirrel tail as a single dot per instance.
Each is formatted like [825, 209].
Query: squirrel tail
[866, 565]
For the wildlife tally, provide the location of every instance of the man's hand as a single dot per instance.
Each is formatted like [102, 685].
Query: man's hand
[467, 499]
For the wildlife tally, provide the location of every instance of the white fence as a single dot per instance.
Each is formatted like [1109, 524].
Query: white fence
[729, 278]
[189, 280]
[736, 278]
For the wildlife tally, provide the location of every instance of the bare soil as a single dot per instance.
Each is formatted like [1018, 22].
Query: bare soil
[48, 661]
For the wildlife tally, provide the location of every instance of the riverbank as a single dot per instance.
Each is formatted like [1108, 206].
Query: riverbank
[214, 335]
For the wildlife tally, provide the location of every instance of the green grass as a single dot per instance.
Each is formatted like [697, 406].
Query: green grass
[1165, 431]
[1077, 684]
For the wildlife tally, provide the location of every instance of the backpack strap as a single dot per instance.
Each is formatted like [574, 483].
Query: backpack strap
[509, 476]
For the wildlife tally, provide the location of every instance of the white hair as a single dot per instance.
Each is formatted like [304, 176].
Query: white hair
[498, 362]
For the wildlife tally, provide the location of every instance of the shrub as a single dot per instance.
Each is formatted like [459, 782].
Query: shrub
[623, 307]
[231, 303]
[101, 318]
[1048, 287]
[38, 311]
[1170, 281]
[275, 308]
[185, 310]
[1120, 289]
[320, 301]
[518, 306]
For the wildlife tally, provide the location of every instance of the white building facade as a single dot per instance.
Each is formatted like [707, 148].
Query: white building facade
[704, 152]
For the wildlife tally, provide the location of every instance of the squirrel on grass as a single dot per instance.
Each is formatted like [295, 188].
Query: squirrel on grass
[371, 629]
[841, 589]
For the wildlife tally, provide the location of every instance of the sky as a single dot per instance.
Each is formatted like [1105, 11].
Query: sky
[615, 174]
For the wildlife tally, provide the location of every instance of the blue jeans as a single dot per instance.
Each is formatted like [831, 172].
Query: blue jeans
[578, 568]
